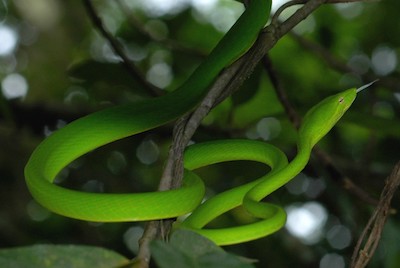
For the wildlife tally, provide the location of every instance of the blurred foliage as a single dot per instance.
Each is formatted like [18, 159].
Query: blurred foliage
[188, 249]
[71, 71]
[41, 256]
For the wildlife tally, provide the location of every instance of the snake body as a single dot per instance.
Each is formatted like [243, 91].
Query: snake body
[97, 129]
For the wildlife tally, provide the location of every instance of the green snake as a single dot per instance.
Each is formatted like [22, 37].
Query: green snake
[103, 127]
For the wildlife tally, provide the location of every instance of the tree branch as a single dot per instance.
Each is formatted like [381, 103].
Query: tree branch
[281, 92]
[166, 42]
[377, 221]
[117, 47]
[339, 64]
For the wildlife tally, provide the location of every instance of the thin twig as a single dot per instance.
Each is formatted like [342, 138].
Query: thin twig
[281, 92]
[302, 2]
[340, 65]
[333, 61]
[286, 5]
[165, 41]
[150, 232]
[377, 221]
[117, 47]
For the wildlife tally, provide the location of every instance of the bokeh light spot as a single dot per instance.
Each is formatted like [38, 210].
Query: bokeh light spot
[36, 212]
[339, 237]
[147, 152]
[306, 221]
[116, 162]
[131, 238]
[8, 39]
[332, 260]
[14, 86]
[160, 74]
[384, 60]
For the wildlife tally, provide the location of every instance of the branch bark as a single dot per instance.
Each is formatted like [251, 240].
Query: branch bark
[377, 221]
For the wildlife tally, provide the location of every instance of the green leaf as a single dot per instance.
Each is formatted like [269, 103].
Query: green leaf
[41, 256]
[188, 249]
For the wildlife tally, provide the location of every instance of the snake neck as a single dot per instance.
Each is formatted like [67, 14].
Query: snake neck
[295, 166]
[298, 163]
[278, 178]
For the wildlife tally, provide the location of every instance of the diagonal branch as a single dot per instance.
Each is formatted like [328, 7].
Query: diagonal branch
[117, 47]
[377, 221]
[169, 43]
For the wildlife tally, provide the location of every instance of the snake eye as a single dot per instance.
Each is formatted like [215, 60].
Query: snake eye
[341, 99]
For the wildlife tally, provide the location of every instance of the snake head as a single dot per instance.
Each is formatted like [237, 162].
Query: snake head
[320, 119]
